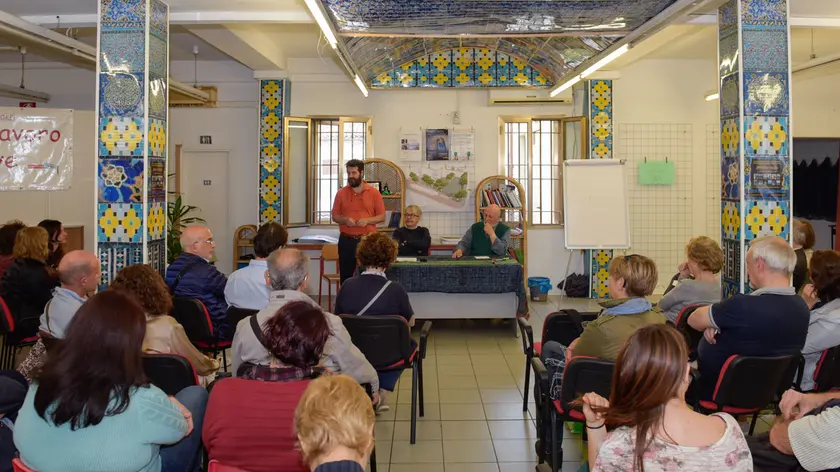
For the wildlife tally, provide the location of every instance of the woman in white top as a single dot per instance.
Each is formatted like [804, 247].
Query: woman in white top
[656, 429]
[823, 297]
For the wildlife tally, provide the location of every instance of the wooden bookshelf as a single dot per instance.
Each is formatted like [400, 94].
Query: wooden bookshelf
[513, 216]
[388, 173]
[243, 244]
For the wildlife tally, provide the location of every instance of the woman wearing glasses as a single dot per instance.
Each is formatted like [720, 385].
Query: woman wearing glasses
[413, 240]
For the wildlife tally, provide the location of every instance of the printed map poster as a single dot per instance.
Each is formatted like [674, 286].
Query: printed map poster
[463, 145]
[438, 188]
[36, 149]
[437, 144]
[410, 147]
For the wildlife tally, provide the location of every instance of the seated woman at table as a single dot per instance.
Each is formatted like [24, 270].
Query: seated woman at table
[371, 293]
[413, 240]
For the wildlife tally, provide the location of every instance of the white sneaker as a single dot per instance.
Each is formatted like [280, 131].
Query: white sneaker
[382, 406]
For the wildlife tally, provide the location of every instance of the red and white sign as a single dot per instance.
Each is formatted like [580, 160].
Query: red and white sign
[28, 104]
[36, 149]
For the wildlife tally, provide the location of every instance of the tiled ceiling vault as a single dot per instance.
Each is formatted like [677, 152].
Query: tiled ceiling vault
[483, 43]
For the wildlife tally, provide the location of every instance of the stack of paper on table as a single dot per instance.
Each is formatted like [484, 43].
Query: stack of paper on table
[450, 239]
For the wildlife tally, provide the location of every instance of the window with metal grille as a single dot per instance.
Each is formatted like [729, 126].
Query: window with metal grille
[531, 154]
[336, 141]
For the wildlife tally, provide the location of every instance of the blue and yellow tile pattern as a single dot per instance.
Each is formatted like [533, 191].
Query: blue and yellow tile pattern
[274, 106]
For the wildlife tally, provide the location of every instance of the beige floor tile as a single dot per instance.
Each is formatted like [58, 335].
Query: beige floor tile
[512, 429]
[467, 467]
[515, 450]
[572, 449]
[468, 451]
[505, 411]
[383, 453]
[448, 396]
[501, 395]
[463, 430]
[428, 382]
[453, 359]
[384, 431]
[424, 452]
[492, 369]
[460, 382]
[416, 468]
[455, 370]
[431, 412]
[450, 349]
[430, 395]
[426, 431]
[495, 381]
[379, 468]
[488, 359]
[461, 412]
[387, 416]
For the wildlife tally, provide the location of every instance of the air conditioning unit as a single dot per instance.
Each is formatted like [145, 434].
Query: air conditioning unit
[525, 97]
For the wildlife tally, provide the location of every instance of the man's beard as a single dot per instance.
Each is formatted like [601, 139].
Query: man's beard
[354, 182]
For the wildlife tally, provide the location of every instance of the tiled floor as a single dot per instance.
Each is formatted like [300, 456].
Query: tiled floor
[474, 374]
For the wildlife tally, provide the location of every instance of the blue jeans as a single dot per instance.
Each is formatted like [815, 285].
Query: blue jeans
[183, 456]
[388, 379]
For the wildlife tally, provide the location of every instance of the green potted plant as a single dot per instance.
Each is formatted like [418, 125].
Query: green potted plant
[178, 218]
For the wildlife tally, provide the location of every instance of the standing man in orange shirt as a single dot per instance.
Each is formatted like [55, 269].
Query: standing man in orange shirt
[357, 209]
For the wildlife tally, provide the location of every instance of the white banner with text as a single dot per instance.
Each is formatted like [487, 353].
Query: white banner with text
[36, 149]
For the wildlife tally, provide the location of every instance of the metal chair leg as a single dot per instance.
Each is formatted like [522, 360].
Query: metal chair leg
[752, 424]
[373, 459]
[527, 382]
[224, 359]
[414, 386]
[553, 439]
[419, 367]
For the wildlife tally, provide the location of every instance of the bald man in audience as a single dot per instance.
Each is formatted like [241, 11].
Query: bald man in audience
[490, 237]
[192, 275]
[80, 274]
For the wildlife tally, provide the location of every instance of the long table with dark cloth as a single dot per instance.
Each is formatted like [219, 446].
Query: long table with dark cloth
[463, 288]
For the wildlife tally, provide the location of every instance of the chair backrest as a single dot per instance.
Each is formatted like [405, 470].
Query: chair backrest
[169, 372]
[7, 321]
[564, 326]
[216, 466]
[827, 374]
[752, 382]
[384, 340]
[329, 252]
[583, 375]
[235, 314]
[19, 466]
[194, 317]
[691, 335]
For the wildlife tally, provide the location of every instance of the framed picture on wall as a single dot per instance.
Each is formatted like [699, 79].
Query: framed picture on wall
[437, 144]
[375, 184]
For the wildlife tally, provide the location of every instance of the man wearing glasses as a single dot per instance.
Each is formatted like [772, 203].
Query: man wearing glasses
[490, 237]
[192, 275]
[413, 240]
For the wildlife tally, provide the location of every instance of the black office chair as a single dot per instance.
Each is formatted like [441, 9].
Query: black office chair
[827, 373]
[11, 343]
[386, 343]
[234, 315]
[169, 372]
[691, 335]
[195, 318]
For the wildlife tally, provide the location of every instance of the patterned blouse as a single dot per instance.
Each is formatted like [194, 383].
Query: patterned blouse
[729, 453]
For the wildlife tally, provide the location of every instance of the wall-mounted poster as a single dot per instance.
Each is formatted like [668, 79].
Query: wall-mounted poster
[36, 149]
[410, 147]
[437, 188]
[437, 144]
[463, 145]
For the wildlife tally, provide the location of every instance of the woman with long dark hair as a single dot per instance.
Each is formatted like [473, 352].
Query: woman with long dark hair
[91, 408]
[656, 429]
[57, 238]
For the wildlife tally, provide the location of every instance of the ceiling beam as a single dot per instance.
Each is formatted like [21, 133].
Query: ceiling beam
[249, 46]
[795, 21]
[290, 16]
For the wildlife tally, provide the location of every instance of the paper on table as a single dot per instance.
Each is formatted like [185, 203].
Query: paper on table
[406, 259]
[482, 258]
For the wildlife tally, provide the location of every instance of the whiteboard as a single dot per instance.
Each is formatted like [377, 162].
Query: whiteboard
[596, 209]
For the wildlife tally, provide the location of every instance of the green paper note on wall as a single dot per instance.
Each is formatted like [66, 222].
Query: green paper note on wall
[656, 173]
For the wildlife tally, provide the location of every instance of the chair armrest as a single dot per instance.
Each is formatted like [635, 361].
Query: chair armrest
[424, 336]
[540, 372]
[800, 373]
[692, 394]
[527, 336]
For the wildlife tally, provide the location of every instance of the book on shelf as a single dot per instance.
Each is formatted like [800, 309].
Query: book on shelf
[395, 219]
[507, 197]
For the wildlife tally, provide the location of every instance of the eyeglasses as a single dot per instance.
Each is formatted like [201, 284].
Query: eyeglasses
[411, 215]
[631, 256]
[208, 241]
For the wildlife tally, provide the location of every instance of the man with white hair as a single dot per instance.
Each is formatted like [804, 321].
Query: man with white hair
[192, 275]
[288, 276]
[771, 321]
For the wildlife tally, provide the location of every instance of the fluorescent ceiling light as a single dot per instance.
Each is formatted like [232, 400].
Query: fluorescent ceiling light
[23, 94]
[322, 22]
[568, 84]
[610, 57]
[712, 96]
[361, 85]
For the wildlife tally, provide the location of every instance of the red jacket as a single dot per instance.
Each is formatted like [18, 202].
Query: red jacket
[249, 424]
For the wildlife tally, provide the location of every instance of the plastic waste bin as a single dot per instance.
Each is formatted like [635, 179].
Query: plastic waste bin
[539, 288]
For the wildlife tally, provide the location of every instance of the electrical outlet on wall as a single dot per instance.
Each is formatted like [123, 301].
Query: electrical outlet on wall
[456, 118]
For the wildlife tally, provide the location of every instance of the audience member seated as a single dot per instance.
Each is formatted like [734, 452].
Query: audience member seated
[27, 284]
[246, 287]
[631, 279]
[57, 238]
[371, 293]
[79, 273]
[657, 430]
[803, 240]
[804, 437]
[288, 275]
[248, 422]
[698, 283]
[770, 321]
[164, 335]
[8, 233]
[12, 393]
[823, 297]
[91, 407]
[192, 275]
[413, 240]
[334, 425]
[489, 237]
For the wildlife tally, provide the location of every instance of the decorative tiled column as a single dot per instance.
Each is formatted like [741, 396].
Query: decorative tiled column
[599, 108]
[274, 106]
[132, 102]
[754, 65]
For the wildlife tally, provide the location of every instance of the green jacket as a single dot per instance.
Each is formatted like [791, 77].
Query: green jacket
[605, 336]
[481, 245]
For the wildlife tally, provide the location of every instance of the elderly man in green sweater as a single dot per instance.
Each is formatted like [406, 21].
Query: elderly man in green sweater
[490, 237]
